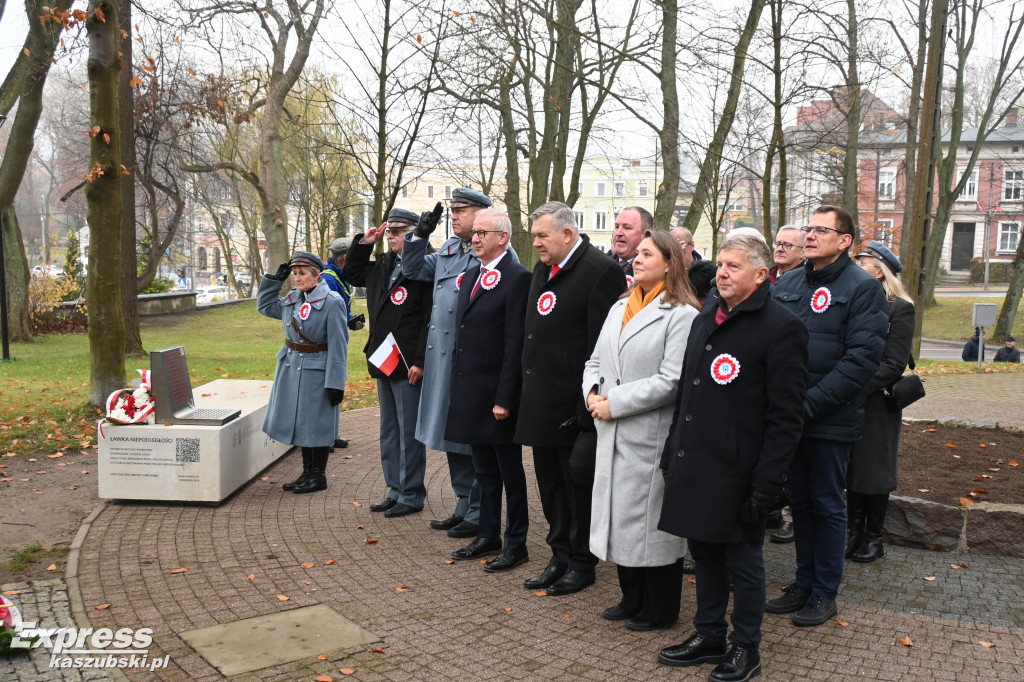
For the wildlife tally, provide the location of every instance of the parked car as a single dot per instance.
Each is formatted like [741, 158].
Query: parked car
[243, 277]
[44, 270]
[212, 294]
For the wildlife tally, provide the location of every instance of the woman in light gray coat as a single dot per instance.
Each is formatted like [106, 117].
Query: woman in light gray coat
[312, 366]
[630, 385]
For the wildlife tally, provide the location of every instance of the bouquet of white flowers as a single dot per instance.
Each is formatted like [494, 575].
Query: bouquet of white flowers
[131, 406]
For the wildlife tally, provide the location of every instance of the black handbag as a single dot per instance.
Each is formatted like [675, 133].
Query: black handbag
[908, 389]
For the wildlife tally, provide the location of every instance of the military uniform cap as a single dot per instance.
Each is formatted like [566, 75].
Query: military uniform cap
[402, 215]
[464, 196]
[877, 249]
[340, 246]
[308, 259]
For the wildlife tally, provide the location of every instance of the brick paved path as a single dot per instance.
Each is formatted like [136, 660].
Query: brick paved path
[457, 622]
[979, 398]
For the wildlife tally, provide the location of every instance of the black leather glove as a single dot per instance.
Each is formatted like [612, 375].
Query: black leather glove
[428, 221]
[335, 395]
[357, 322]
[756, 508]
[283, 270]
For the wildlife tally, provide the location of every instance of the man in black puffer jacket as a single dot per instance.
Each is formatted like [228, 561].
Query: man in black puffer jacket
[845, 312]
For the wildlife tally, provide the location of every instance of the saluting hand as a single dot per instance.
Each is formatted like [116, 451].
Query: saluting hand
[374, 234]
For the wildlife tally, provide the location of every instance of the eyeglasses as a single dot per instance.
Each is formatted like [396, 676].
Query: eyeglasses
[785, 246]
[820, 230]
[396, 231]
[481, 233]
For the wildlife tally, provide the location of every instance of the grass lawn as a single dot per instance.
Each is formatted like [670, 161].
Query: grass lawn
[951, 319]
[43, 392]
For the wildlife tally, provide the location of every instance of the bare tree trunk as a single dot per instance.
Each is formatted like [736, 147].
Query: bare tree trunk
[1008, 311]
[851, 189]
[713, 159]
[103, 194]
[129, 257]
[913, 112]
[668, 189]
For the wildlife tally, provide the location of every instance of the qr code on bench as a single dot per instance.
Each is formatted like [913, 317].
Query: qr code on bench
[186, 449]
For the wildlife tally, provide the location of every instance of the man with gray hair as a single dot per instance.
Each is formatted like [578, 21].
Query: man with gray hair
[789, 251]
[722, 480]
[685, 239]
[572, 288]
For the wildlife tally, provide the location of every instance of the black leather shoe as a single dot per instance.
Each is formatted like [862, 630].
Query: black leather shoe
[641, 625]
[446, 523]
[775, 519]
[401, 509]
[571, 583]
[740, 665]
[694, 651]
[689, 567]
[784, 534]
[546, 579]
[793, 600]
[870, 549]
[507, 559]
[383, 505]
[340, 443]
[816, 611]
[616, 613]
[466, 529]
[478, 548]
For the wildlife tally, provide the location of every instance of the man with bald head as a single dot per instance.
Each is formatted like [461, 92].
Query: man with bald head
[572, 288]
[630, 225]
[685, 239]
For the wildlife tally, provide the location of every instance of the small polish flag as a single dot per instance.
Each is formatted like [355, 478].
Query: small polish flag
[386, 357]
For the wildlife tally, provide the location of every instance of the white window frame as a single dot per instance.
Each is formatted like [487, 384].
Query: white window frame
[600, 189]
[887, 183]
[736, 205]
[970, 191]
[1013, 184]
[1009, 236]
[884, 233]
[641, 188]
[600, 220]
[447, 191]
[405, 192]
[620, 189]
[580, 215]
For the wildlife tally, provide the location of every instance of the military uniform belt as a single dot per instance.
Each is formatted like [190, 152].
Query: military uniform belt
[305, 347]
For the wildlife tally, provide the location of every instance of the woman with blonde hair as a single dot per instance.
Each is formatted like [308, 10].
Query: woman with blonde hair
[873, 471]
[630, 387]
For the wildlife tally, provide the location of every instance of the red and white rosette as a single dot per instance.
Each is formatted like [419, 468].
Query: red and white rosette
[9, 614]
[821, 299]
[490, 279]
[399, 295]
[458, 282]
[724, 369]
[546, 303]
[304, 311]
[630, 282]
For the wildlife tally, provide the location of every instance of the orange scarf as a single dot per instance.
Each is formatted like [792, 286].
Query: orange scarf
[638, 301]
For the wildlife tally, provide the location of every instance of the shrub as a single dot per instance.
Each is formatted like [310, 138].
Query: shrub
[159, 286]
[998, 271]
[51, 314]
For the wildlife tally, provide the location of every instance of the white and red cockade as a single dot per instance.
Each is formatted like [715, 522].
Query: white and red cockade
[821, 299]
[490, 279]
[630, 281]
[458, 281]
[399, 295]
[304, 311]
[546, 302]
[724, 369]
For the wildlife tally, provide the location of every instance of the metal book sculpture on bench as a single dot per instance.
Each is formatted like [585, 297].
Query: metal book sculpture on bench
[172, 390]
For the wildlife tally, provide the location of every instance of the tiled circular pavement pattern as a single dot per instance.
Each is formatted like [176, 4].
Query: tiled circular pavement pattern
[454, 621]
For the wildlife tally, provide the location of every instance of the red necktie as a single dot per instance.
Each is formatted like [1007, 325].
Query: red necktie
[476, 289]
[554, 270]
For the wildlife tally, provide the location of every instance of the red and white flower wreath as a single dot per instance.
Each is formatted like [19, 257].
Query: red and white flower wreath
[127, 406]
[399, 295]
[724, 369]
[821, 299]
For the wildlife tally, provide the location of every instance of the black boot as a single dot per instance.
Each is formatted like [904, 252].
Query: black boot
[318, 472]
[307, 461]
[871, 547]
[855, 512]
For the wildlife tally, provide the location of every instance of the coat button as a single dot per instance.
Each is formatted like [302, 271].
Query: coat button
[462, 326]
[696, 382]
[680, 453]
[445, 331]
[435, 307]
[616, 382]
[442, 352]
[433, 327]
[438, 286]
[689, 417]
[430, 348]
[449, 310]
[707, 347]
[529, 371]
[601, 381]
[529, 336]
[287, 366]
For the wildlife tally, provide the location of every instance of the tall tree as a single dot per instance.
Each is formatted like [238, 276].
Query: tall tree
[126, 113]
[103, 193]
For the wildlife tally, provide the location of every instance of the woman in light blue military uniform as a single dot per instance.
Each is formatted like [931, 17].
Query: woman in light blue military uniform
[312, 366]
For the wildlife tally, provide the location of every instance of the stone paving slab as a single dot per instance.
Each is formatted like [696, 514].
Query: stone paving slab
[456, 621]
[981, 399]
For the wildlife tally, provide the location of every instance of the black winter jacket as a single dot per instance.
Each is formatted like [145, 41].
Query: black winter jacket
[846, 315]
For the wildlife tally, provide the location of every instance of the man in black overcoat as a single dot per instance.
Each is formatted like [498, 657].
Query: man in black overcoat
[738, 420]
[400, 306]
[485, 385]
[572, 288]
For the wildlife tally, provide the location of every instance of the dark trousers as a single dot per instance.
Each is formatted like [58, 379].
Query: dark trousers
[463, 477]
[566, 504]
[497, 466]
[652, 593]
[817, 477]
[716, 564]
[403, 458]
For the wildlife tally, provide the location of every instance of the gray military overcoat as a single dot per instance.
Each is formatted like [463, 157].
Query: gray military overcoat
[637, 367]
[300, 412]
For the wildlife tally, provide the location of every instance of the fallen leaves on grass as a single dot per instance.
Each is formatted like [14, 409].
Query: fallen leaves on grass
[906, 641]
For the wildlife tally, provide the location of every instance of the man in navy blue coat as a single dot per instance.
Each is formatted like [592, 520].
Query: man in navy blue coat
[846, 315]
[485, 386]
